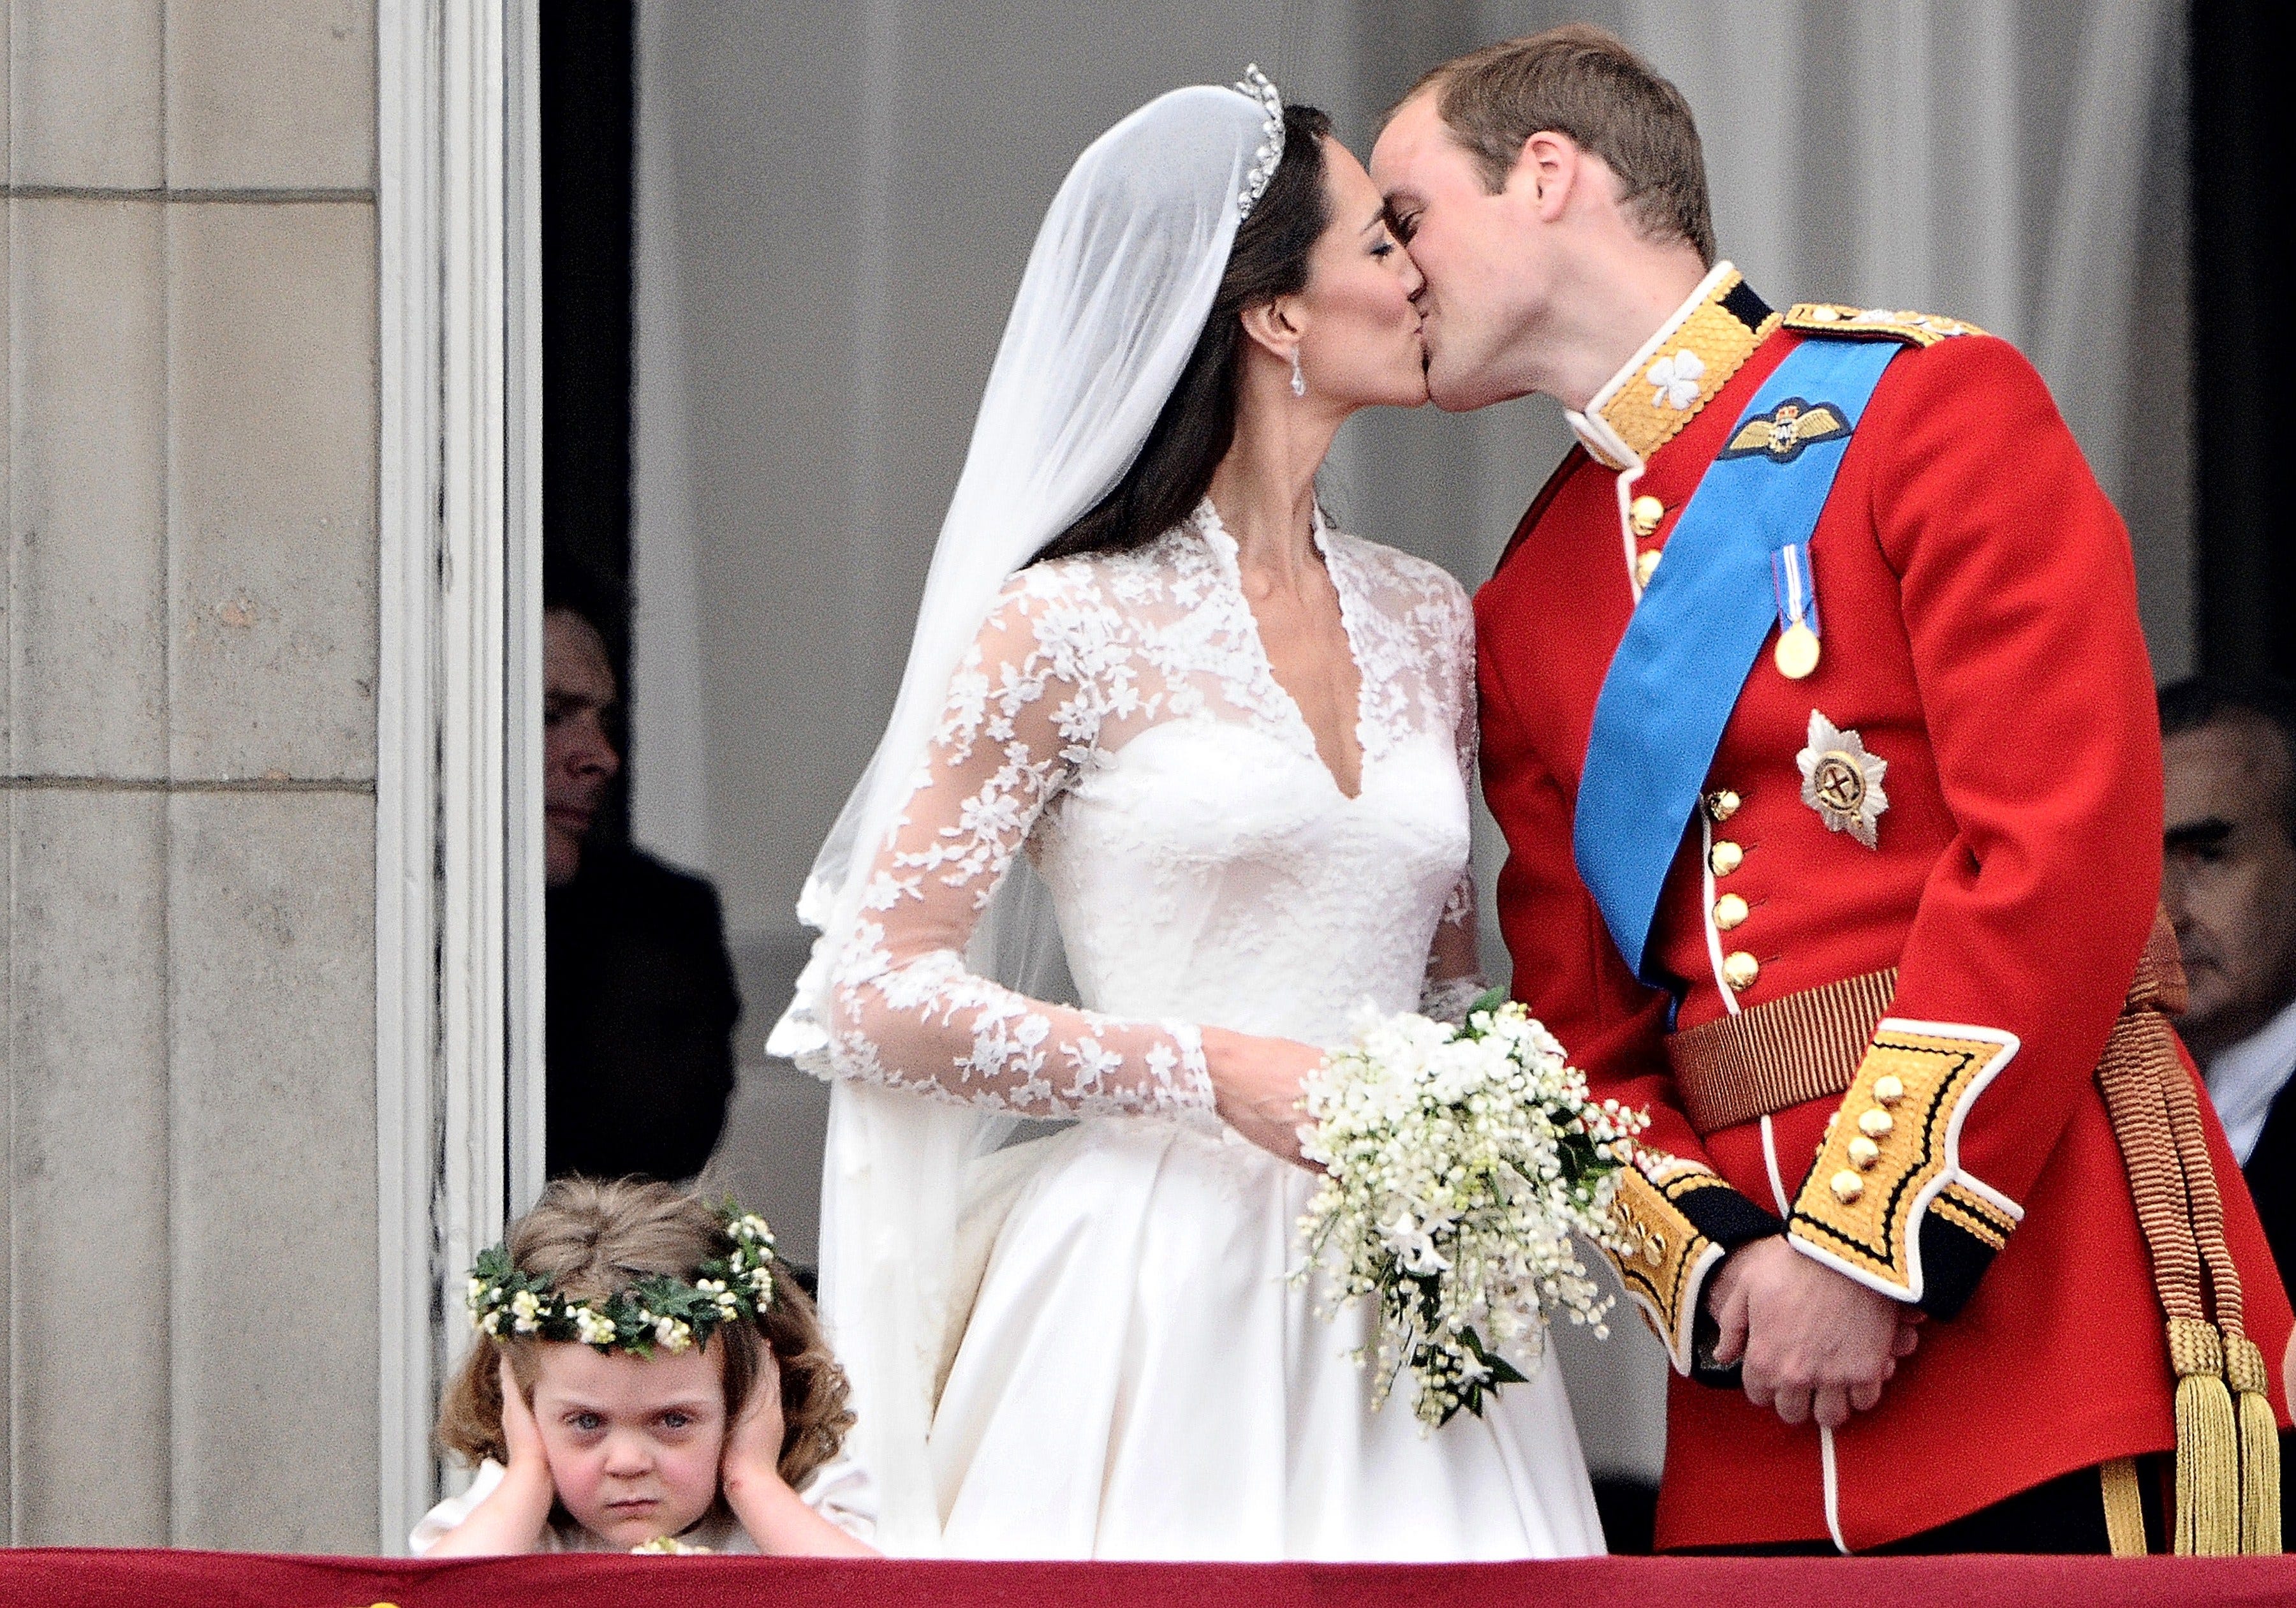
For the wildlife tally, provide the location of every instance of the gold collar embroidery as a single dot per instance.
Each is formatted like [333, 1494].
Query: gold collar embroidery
[1677, 371]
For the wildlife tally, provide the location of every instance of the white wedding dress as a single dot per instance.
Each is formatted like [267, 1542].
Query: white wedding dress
[1137, 1377]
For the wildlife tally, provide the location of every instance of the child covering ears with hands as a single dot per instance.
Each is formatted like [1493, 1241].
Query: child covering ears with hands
[649, 1377]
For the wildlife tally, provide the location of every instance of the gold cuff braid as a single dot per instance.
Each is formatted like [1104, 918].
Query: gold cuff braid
[1890, 1155]
[1668, 1259]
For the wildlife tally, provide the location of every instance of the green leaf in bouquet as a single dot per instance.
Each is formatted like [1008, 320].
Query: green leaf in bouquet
[1581, 1167]
[1490, 999]
[1495, 1371]
[1504, 1371]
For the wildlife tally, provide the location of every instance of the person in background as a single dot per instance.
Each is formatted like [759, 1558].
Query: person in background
[2229, 751]
[642, 999]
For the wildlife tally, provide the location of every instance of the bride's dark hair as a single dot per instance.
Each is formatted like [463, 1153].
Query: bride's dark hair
[1197, 426]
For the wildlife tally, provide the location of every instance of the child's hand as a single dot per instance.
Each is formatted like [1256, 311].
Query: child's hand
[513, 1517]
[750, 1472]
[522, 1436]
[753, 1445]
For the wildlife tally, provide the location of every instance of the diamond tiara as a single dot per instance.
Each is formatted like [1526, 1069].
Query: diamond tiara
[1264, 161]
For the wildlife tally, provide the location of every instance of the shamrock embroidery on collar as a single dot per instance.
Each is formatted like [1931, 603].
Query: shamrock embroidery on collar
[1675, 379]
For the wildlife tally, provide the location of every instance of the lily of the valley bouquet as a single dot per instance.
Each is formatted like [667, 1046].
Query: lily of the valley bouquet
[1459, 1163]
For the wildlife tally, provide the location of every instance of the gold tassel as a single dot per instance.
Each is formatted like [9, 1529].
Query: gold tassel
[2260, 1446]
[2207, 1443]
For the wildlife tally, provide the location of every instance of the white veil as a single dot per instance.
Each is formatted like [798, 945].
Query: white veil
[1118, 288]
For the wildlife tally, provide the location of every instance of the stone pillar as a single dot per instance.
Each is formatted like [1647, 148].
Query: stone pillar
[187, 1090]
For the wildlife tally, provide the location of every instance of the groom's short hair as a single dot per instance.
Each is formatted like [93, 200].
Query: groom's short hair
[1585, 82]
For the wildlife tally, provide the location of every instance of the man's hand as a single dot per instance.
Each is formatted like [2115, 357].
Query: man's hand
[1814, 1343]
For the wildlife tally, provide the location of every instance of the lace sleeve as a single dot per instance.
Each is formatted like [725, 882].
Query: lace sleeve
[1024, 716]
[1454, 970]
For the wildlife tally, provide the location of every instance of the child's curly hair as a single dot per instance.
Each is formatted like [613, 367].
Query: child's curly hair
[592, 1238]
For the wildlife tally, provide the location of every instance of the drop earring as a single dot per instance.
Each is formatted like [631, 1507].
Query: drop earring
[1299, 379]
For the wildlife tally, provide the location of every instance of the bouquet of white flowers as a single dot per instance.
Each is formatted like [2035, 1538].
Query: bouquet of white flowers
[1458, 1164]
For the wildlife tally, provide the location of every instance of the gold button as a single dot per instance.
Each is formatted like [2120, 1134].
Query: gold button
[1876, 1123]
[1863, 1152]
[1847, 1186]
[1729, 910]
[1645, 512]
[1724, 856]
[1888, 1089]
[1721, 805]
[1646, 566]
[1740, 969]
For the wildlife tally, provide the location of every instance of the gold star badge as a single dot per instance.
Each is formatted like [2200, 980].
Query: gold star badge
[1842, 781]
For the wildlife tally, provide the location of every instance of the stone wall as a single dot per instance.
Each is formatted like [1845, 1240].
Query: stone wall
[187, 1094]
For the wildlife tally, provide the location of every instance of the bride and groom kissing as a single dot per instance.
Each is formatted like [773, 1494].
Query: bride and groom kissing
[1811, 700]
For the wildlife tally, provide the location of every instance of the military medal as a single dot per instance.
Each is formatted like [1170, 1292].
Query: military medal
[1842, 781]
[1797, 653]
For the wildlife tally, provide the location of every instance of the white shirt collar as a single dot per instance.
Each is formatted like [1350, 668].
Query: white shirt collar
[2246, 1078]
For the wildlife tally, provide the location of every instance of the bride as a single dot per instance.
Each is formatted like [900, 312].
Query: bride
[1154, 695]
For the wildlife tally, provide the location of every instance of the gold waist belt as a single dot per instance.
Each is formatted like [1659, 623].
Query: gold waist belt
[1778, 1053]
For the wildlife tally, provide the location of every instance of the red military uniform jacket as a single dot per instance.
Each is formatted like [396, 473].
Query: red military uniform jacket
[1979, 638]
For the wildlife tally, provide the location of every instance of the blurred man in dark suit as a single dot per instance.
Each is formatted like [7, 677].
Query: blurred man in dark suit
[641, 999]
[2229, 750]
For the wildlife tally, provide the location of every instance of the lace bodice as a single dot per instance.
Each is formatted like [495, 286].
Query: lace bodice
[1117, 716]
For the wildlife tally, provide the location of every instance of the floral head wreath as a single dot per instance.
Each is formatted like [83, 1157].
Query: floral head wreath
[1270, 154]
[658, 1311]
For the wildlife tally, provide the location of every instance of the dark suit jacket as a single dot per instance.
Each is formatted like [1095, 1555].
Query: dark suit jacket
[642, 1007]
[2271, 1174]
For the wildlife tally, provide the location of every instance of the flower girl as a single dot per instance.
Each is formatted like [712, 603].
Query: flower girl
[649, 1378]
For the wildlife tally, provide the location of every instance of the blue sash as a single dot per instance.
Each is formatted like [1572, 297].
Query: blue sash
[1694, 636]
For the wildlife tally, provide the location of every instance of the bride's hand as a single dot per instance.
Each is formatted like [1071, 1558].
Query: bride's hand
[1256, 1087]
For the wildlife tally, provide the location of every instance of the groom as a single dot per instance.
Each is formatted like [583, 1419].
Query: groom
[1819, 724]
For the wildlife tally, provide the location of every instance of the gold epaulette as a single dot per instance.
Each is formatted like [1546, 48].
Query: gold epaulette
[1914, 329]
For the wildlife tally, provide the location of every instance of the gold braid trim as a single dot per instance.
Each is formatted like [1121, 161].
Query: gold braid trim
[2228, 1457]
[2124, 1508]
[1914, 329]
[1889, 1156]
[1665, 1254]
[1719, 341]
[2243, 1366]
[1975, 1216]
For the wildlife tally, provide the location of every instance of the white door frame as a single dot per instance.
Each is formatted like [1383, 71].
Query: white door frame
[458, 855]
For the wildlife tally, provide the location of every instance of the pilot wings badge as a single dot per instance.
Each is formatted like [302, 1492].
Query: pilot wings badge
[1781, 434]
